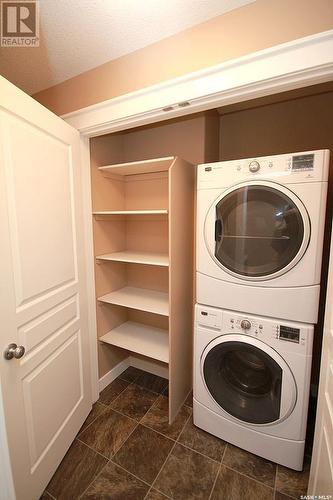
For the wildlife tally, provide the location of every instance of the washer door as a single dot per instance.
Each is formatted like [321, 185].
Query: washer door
[261, 230]
[248, 379]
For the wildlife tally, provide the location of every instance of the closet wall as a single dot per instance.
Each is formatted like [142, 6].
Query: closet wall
[194, 139]
[292, 124]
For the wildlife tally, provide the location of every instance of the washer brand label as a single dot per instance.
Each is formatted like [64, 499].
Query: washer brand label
[302, 163]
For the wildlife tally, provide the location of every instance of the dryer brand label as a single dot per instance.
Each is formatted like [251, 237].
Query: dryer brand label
[302, 163]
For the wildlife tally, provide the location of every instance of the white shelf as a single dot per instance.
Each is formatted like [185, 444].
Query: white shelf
[139, 298]
[138, 167]
[131, 212]
[141, 339]
[152, 259]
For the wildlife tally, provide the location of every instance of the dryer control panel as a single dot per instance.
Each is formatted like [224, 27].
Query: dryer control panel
[293, 168]
[283, 335]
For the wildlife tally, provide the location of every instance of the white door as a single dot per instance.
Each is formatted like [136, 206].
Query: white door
[321, 473]
[46, 394]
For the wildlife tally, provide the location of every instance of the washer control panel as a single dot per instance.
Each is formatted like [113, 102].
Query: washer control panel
[308, 166]
[266, 329]
[282, 335]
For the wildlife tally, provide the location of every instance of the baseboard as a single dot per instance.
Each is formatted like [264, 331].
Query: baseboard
[155, 367]
[113, 374]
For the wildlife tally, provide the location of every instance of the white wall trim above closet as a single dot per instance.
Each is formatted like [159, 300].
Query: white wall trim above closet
[299, 63]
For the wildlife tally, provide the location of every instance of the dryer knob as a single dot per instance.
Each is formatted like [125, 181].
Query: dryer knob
[245, 324]
[254, 166]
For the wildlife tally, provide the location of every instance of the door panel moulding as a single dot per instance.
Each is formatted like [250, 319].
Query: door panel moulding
[299, 63]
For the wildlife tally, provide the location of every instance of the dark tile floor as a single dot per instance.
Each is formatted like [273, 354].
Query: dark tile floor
[126, 450]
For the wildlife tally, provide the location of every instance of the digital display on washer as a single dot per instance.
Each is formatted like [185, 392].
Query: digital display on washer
[288, 333]
[303, 162]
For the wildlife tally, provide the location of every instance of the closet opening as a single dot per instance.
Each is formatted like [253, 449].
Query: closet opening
[143, 200]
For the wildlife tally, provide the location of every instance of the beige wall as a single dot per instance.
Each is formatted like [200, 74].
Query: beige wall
[294, 125]
[262, 24]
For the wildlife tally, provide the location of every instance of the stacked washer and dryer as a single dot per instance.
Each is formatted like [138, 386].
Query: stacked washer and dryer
[260, 230]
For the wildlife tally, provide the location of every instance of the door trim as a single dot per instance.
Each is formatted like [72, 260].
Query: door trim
[298, 63]
[90, 260]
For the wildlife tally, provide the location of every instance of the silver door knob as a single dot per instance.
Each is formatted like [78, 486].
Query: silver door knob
[14, 351]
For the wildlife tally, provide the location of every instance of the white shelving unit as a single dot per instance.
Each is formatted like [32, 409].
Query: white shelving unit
[148, 258]
[141, 339]
[131, 212]
[147, 321]
[138, 167]
[139, 298]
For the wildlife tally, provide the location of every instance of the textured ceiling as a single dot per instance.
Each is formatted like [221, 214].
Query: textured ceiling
[78, 35]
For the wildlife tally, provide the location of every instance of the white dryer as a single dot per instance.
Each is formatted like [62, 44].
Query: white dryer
[260, 229]
[251, 382]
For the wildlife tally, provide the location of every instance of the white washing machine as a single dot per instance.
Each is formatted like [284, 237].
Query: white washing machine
[260, 229]
[251, 382]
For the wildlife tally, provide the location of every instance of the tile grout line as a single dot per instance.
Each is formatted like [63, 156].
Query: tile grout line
[176, 441]
[130, 434]
[131, 473]
[81, 432]
[168, 437]
[218, 471]
[159, 472]
[248, 477]
[121, 392]
[45, 491]
[106, 406]
[142, 387]
[139, 423]
[198, 452]
[93, 449]
[275, 479]
[108, 459]
[157, 432]
[94, 479]
[161, 433]
[215, 480]
[133, 383]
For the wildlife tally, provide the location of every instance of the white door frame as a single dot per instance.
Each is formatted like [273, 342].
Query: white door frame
[299, 63]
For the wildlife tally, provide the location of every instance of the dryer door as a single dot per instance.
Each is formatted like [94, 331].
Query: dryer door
[261, 230]
[248, 379]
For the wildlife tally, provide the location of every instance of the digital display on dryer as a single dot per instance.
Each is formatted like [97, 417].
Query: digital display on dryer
[303, 162]
[289, 333]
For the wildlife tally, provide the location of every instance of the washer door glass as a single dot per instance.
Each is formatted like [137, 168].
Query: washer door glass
[245, 381]
[258, 231]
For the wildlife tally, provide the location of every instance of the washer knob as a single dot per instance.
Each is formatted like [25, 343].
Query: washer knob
[254, 166]
[245, 324]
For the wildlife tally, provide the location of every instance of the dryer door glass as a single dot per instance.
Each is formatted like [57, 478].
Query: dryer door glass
[258, 231]
[245, 381]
